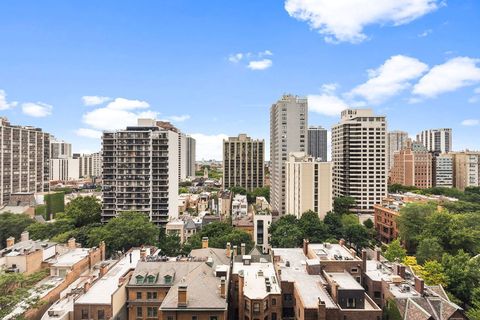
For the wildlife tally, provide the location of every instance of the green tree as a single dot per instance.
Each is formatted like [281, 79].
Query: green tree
[463, 274]
[285, 232]
[258, 192]
[312, 227]
[43, 231]
[12, 225]
[434, 274]
[368, 223]
[333, 222]
[357, 235]
[84, 210]
[411, 222]
[238, 190]
[127, 230]
[398, 188]
[395, 252]
[182, 190]
[342, 205]
[169, 244]
[429, 249]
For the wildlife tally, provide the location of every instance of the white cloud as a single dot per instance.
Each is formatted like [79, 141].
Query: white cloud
[127, 104]
[344, 20]
[37, 110]
[390, 78]
[470, 122]
[260, 64]
[4, 104]
[88, 133]
[454, 74]
[236, 57]
[181, 118]
[476, 96]
[94, 100]
[209, 146]
[425, 33]
[327, 103]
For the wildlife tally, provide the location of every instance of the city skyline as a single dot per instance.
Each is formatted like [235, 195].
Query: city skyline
[125, 64]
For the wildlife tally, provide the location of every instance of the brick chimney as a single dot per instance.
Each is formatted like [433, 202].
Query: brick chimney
[341, 242]
[103, 269]
[86, 286]
[305, 247]
[182, 295]
[378, 254]
[400, 270]
[322, 310]
[10, 242]
[419, 285]
[102, 249]
[71, 244]
[204, 242]
[25, 236]
[228, 250]
[143, 254]
[242, 249]
[222, 287]
[234, 251]
[364, 260]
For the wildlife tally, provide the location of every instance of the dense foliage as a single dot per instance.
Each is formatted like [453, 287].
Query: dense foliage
[12, 225]
[253, 194]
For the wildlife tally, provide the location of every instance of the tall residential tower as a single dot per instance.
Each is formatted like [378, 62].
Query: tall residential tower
[436, 140]
[317, 143]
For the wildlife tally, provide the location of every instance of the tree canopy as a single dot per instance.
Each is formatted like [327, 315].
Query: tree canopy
[12, 225]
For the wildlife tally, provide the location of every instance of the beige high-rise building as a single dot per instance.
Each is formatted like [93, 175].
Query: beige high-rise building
[90, 165]
[288, 133]
[359, 155]
[443, 170]
[436, 140]
[466, 169]
[396, 140]
[140, 171]
[243, 162]
[60, 149]
[24, 159]
[412, 166]
[308, 185]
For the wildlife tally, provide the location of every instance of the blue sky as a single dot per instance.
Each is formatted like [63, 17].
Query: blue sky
[214, 67]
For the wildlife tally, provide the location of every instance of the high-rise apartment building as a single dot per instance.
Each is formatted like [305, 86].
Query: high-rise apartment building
[359, 154]
[64, 169]
[396, 140]
[90, 165]
[412, 166]
[243, 162]
[443, 170]
[436, 140]
[140, 171]
[191, 155]
[288, 133]
[317, 142]
[308, 185]
[182, 156]
[466, 169]
[60, 149]
[24, 159]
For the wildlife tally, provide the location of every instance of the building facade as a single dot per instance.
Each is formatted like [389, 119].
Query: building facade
[396, 140]
[64, 169]
[443, 170]
[24, 159]
[140, 171]
[317, 142]
[288, 133]
[436, 140]
[60, 149]
[466, 170]
[243, 162]
[412, 166]
[191, 156]
[90, 165]
[359, 155]
[308, 185]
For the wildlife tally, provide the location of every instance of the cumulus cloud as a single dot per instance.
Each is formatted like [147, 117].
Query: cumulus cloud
[88, 133]
[344, 20]
[390, 78]
[476, 96]
[470, 122]
[327, 102]
[209, 146]
[236, 57]
[37, 110]
[181, 118]
[118, 114]
[94, 100]
[454, 74]
[260, 64]
[4, 104]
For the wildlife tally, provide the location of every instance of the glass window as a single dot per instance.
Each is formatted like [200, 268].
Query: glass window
[213, 317]
[256, 307]
[151, 295]
[139, 312]
[151, 312]
[101, 314]
[84, 313]
[139, 295]
[274, 302]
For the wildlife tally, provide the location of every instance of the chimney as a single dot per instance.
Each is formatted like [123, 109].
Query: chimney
[71, 243]
[204, 242]
[234, 251]
[305, 247]
[143, 254]
[242, 249]
[378, 254]
[228, 250]
[399, 270]
[322, 310]
[419, 285]
[10, 242]
[341, 242]
[86, 286]
[102, 249]
[222, 287]
[182, 295]
[103, 269]
[25, 236]
[364, 261]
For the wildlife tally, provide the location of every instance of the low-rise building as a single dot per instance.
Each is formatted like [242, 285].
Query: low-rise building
[412, 166]
[224, 203]
[239, 206]
[261, 222]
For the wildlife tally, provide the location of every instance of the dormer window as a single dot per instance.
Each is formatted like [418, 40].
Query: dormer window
[168, 279]
[139, 279]
[151, 279]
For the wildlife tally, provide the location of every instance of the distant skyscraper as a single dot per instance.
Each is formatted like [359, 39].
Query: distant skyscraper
[288, 133]
[308, 185]
[191, 155]
[317, 142]
[140, 171]
[396, 140]
[436, 140]
[359, 158]
[412, 166]
[90, 165]
[443, 171]
[466, 169]
[24, 159]
[243, 162]
[60, 149]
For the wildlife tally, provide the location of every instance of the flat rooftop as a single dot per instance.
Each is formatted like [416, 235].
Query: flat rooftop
[255, 275]
[332, 251]
[101, 292]
[345, 281]
[377, 271]
[70, 258]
